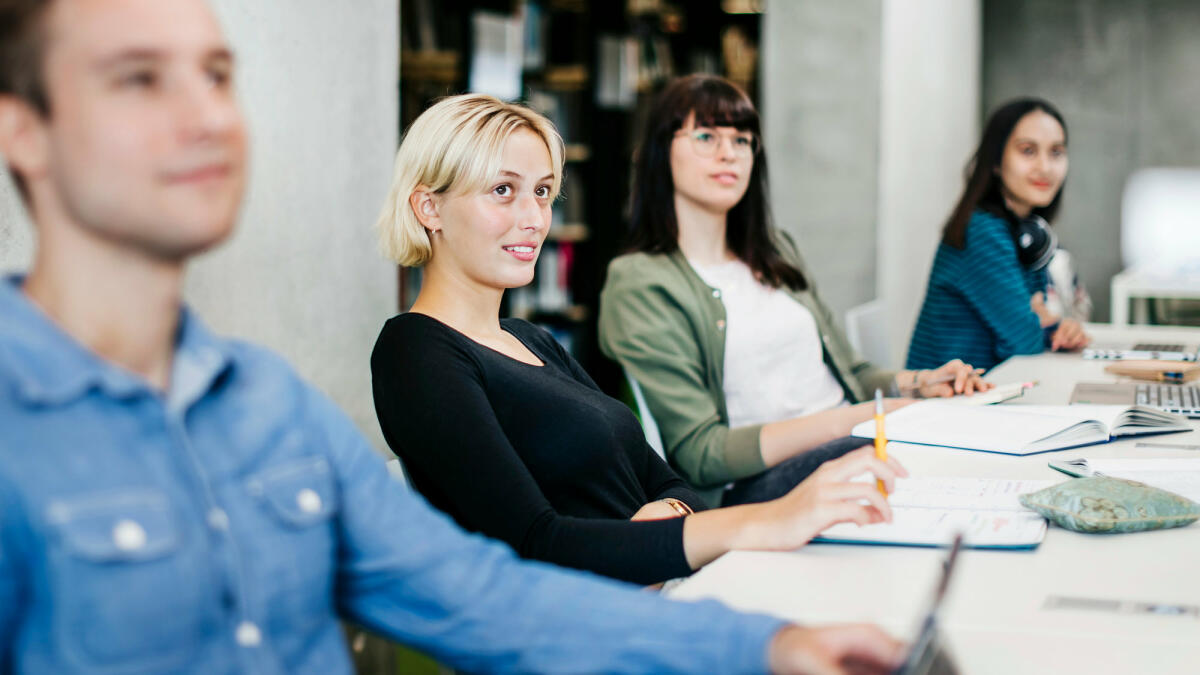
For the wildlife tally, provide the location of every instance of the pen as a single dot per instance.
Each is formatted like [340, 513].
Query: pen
[880, 439]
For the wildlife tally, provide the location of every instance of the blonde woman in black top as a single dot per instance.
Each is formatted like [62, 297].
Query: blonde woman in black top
[496, 424]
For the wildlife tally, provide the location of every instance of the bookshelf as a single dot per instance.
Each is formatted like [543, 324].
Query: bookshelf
[592, 67]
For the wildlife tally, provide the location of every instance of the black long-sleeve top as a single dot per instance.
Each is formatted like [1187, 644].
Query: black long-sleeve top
[536, 456]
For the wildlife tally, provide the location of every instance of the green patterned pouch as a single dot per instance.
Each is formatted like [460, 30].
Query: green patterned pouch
[1111, 505]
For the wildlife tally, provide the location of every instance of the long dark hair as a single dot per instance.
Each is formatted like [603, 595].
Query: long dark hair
[653, 224]
[983, 184]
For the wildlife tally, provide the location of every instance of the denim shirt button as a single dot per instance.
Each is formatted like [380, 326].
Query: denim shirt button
[248, 634]
[218, 519]
[128, 535]
[308, 500]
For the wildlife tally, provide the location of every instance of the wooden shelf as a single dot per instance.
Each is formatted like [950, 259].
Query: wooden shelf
[569, 232]
[573, 313]
[429, 66]
[566, 77]
[577, 152]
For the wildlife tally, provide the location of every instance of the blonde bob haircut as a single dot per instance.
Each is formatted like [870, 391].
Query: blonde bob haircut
[454, 146]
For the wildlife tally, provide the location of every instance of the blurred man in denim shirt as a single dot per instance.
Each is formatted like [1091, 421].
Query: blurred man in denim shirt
[171, 500]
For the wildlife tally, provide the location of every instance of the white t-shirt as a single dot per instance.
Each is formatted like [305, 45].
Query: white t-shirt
[774, 368]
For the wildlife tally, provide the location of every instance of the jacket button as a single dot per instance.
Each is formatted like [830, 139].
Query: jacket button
[308, 500]
[218, 519]
[248, 634]
[716, 293]
[128, 535]
[720, 324]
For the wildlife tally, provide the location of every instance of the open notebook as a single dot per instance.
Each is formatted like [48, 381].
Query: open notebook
[1179, 475]
[929, 511]
[1020, 429]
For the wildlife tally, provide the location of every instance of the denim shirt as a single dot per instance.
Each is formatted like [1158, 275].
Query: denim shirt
[227, 525]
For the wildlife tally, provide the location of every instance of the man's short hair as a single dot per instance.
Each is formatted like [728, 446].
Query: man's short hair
[22, 38]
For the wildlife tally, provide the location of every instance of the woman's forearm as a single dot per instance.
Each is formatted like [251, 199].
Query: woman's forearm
[783, 440]
[710, 534]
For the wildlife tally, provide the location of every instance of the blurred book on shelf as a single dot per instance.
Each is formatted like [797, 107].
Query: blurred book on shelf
[498, 55]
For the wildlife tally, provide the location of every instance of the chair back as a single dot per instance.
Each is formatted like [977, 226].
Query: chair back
[396, 469]
[649, 426]
[866, 329]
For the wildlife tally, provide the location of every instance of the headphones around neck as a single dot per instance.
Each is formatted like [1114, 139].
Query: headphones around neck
[1036, 242]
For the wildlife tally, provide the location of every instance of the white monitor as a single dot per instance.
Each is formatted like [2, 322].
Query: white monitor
[1160, 222]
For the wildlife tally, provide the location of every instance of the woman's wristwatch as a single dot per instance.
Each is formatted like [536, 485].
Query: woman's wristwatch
[680, 507]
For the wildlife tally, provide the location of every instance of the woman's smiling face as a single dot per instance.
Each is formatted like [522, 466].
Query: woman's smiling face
[493, 236]
[1034, 163]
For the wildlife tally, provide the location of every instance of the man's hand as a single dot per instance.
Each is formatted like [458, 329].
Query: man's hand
[834, 650]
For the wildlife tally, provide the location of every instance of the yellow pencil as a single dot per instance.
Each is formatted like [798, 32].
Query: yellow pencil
[880, 438]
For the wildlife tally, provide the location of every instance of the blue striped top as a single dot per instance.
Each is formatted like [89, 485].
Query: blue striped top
[977, 302]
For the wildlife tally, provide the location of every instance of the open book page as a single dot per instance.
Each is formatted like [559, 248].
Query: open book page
[1181, 476]
[930, 511]
[1119, 420]
[1015, 429]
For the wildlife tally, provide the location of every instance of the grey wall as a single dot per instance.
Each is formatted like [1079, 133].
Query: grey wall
[1126, 76]
[16, 237]
[821, 96]
[301, 273]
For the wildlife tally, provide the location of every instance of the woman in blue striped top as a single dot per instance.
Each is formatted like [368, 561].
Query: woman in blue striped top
[984, 303]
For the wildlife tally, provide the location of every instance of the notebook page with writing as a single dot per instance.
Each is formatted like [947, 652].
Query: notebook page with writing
[929, 511]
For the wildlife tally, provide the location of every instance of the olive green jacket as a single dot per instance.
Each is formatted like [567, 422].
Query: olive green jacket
[666, 327]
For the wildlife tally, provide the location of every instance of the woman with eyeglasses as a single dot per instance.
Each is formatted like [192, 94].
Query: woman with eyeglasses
[986, 295]
[713, 314]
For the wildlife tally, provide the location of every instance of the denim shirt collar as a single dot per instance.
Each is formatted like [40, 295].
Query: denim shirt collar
[51, 368]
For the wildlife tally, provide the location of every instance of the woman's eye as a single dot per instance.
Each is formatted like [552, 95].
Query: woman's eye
[1027, 151]
[219, 77]
[502, 190]
[543, 191]
[742, 140]
[142, 79]
[704, 136]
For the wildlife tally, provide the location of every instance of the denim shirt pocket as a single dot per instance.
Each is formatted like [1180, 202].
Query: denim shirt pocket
[300, 493]
[125, 598]
[297, 546]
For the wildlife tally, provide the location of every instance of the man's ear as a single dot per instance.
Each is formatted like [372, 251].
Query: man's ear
[22, 137]
[424, 203]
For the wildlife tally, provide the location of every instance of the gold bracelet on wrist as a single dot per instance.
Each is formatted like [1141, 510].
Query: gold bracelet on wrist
[680, 507]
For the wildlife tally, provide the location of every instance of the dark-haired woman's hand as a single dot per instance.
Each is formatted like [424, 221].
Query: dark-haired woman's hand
[951, 379]
[1069, 336]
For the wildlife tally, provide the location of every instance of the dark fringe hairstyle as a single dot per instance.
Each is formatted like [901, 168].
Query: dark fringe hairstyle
[982, 189]
[653, 224]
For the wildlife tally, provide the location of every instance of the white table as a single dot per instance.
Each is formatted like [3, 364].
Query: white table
[996, 616]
